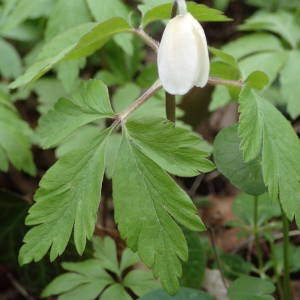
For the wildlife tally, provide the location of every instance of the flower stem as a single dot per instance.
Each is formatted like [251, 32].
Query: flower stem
[170, 107]
[286, 269]
[138, 102]
[182, 8]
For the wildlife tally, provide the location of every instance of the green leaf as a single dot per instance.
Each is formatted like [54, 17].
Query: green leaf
[183, 294]
[194, 268]
[243, 208]
[80, 136]
[257, 80]
[75, 43]
[86, 281]
[293, 252]
[64, 283]
[26, 9]
[234, 265]
[124, 64]
[92, 277]
[226, 67]
[221, 4]
[140, 282]
[264, 131]
[177, 150]
[147, 205]
[220, 98]
[68, 73]
[253, 43]
[115, 291]
[112, 149]
[225, 57]
[89, 103]
[4, 164]
[10, 61]
[67, 199]
[106, 253]
[290, 87]
[267, 62]
[228, 157]
[13, 210]
[113, 8]
[281, 22]
[15, 137]
[49, 90]
[101, 12]
[147, 76]
[149, 4]
[199, 11]
[251, 288]
[128, 259]
[65, 15]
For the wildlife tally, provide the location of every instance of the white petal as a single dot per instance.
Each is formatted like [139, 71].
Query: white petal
[203, 56]
[178, 58]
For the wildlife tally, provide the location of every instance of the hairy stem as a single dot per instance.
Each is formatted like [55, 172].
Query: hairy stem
[153, 44]
[216, 81]
[138, 102]
[286, 270]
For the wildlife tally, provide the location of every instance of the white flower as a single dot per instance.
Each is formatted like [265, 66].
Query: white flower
[182, 58]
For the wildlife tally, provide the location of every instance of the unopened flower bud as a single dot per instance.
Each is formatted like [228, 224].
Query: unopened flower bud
[182, 59]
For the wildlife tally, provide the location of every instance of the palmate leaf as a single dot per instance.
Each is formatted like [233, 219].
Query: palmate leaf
[147, 206]
[89, 103]
[148, 203]
[89, 278]
[264, 131]
[74, 43]
[67, 199]
[84, 281]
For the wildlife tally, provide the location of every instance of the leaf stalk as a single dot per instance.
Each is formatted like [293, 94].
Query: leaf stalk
[138, 102]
